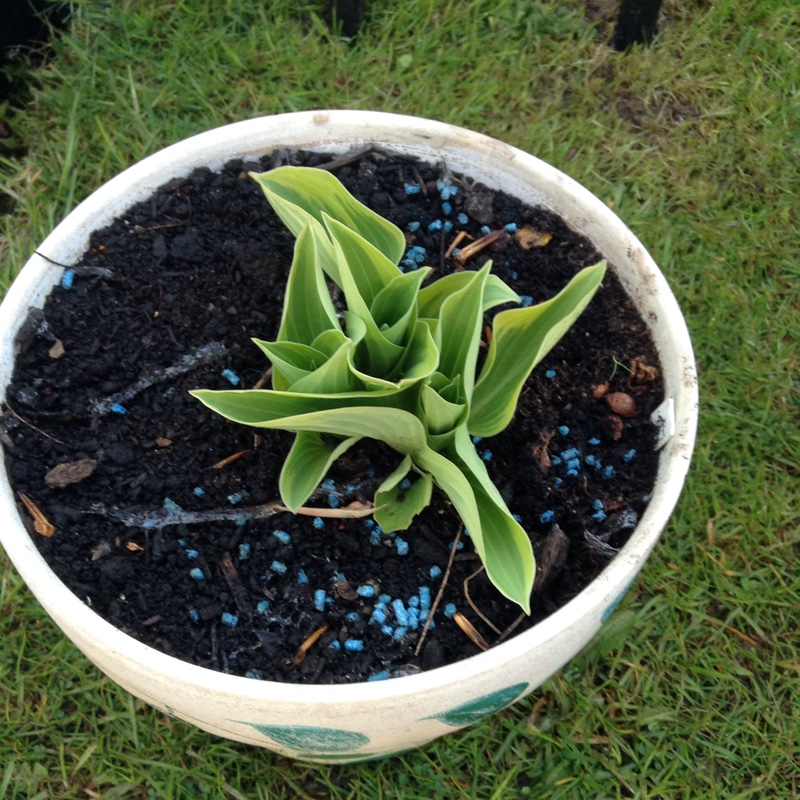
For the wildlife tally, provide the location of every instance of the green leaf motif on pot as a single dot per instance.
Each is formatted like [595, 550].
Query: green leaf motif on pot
[313, 740]
[397, 364]
[476, 710]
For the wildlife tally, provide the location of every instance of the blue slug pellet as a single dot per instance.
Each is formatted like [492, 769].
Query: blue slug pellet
[378, 615]
[629, 456]
[262, 607]
[551, 373]
[67, 279]
[319, 599]
[253, 675]
[413, 226]
[192, 554]
[353, 645]
[450, 610]
[511, 227]
[594, 441]
[352, 616]
[118, 408]
[301, 576]
[318, 523]
[525, 300]
[194, 615]
[328, 484]
[244, 551]
[231, 620]
[231, 377]
[335, 645]
[401, 545]
[412, 188]
[198, 491]
[278, 567]
[462, 218]
[400, 613]
[487, 455]
[399, 633]
[413, 601]
[379, 676]
[366, 590]
[237, 497]
[435, 571]
[563, 430]
[546, 516]
[197, 574]
[282, 537]
[424, 597]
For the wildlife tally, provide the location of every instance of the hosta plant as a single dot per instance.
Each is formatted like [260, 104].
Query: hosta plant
[398, 363]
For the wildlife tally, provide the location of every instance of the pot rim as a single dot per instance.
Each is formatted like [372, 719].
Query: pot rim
[330, 130]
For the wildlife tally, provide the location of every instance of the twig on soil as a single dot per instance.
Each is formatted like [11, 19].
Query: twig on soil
[511, 628]
[152, 519]
[208, 352]
[38, 430]
[470, 631]
[439, 594]
[472, 605]
[300, 655]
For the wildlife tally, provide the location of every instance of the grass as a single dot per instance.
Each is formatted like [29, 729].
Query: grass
[692, 689]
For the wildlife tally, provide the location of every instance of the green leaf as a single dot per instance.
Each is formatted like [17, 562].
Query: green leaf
[440, 415]
[402, 505]
[521, 338]
[307, 307]
[459, 332]
[394, 308]
[495, 292]
[332, 377]
[290, 361]
[306, 465]
[295, 192]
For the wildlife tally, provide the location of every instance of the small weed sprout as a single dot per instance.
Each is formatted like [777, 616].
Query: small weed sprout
[401, 369]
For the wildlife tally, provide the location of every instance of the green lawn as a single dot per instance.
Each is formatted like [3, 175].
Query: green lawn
[692, 691]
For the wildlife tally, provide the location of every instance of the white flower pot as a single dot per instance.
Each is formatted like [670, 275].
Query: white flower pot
[364, 720]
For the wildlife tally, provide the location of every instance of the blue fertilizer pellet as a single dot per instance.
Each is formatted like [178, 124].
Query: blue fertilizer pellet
[487, 455]
[558, 483]
[400, 613]
[447, 208]
[462, 218]
[387, 630]
[485, 230]
[609, 472]
[231, 620]
[353, 645]
[435, 571]
[335, 645]
[572, 473]
[352, 616]
[399, 633]
[511, 227]
[262, 607]
[278, 567]
[600, 516]
[597, 505]
[555, 461]
[525, 300]
[375, 538]
[244, 551]
[319, 599]
[629, 456]
[413, 226]
[424, 597]
[197, 574]
[67, 279]
[514, 276]
[594, 441]
[301, 576]
[436, 225]
[401, 545]
[328, 484]
[378, 615]
[237, 497]
[448, 226]
[405, 484]
[450, 610]
[563, 430]
[551, 373]
[412, 188]
[574, 463]
[254, 675]
[517, 517]
[384, 599]
[282, 537]
[198, 491]
[192, 554]
[366, 590]
[333, 501]
[118, 408]
[318, 523]
[546, 516]
[231, 377]
[590, 460]
[194, 615]
[182, 542]
[171, 506]
[413, 618]
[477, 439]
[370, 523]
[571, 453]
[413, 601]
[383, 675]
[459, 546]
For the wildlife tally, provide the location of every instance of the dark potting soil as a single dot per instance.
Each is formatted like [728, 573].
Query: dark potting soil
[158, 503]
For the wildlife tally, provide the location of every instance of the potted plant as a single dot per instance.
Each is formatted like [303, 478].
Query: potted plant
[365, 720]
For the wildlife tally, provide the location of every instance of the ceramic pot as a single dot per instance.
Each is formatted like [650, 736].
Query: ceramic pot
[364, 720]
